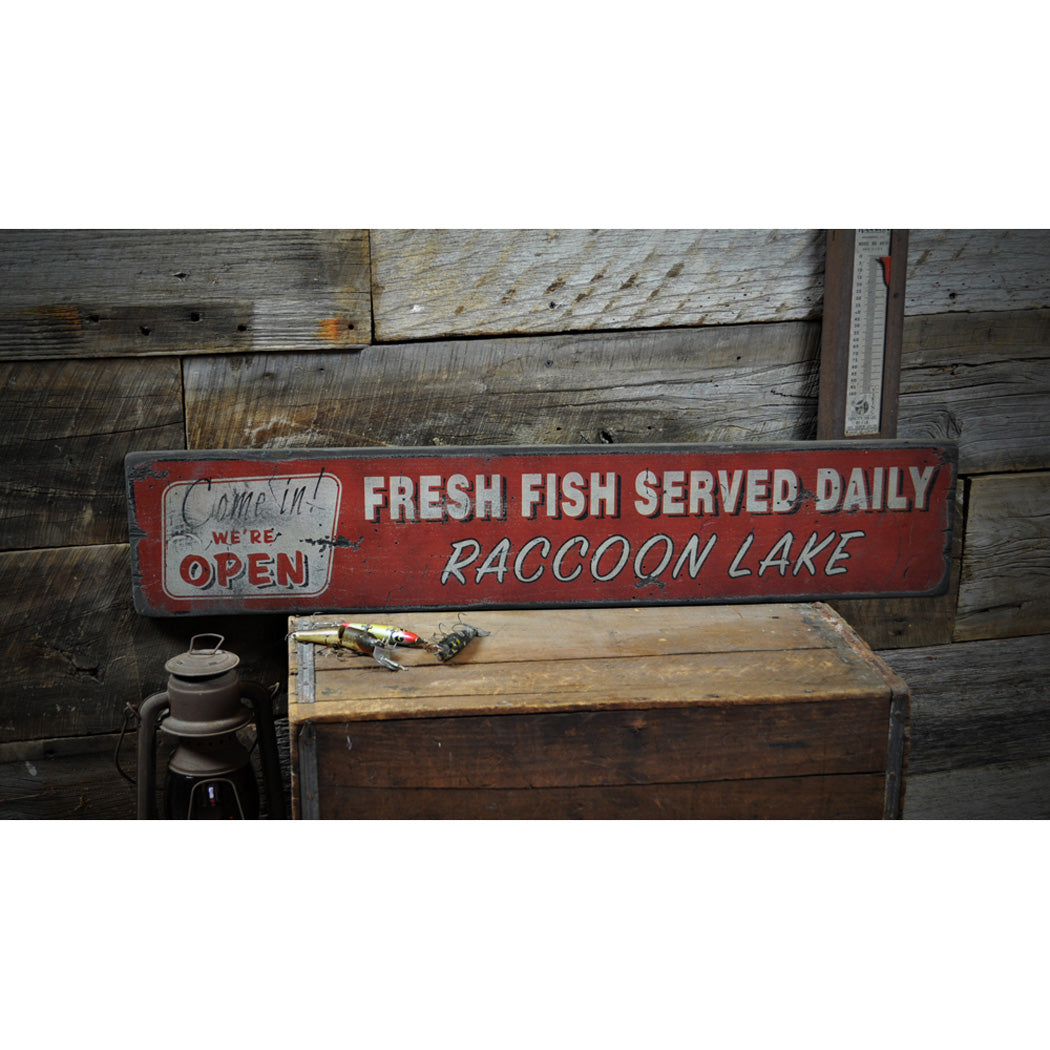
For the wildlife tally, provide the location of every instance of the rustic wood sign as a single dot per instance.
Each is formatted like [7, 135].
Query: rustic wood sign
[415, 528]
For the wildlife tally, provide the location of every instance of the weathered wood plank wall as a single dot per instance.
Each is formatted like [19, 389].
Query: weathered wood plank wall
[112, 341]
[745, 384]
[490, 282]
[99, 293]
[66, 427]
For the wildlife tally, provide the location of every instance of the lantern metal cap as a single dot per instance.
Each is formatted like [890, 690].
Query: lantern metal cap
[203, 728]
[202, 663]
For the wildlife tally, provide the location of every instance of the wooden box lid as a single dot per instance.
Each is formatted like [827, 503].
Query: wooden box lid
[585, 659]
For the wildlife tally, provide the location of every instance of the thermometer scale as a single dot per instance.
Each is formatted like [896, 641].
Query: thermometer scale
[867, 332]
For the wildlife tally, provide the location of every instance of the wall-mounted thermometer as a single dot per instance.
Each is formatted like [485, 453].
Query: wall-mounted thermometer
[867, 332]
[861, 337]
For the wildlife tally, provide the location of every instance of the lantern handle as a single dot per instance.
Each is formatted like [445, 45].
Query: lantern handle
[206, 635]
[152, 710]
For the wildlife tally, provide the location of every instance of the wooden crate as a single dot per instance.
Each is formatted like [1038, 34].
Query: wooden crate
[746, 711]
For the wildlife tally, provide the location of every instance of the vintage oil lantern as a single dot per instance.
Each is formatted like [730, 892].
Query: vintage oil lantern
[209, 774]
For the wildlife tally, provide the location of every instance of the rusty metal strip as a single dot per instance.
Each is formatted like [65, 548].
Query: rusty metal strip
[306, 686]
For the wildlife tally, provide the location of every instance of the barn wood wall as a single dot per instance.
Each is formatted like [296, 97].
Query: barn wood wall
[114, 341]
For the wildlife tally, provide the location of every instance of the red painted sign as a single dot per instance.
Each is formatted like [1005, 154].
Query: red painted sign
[414, 528]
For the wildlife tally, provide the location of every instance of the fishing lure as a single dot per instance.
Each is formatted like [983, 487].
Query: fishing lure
[456, 641]
[372, 639]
